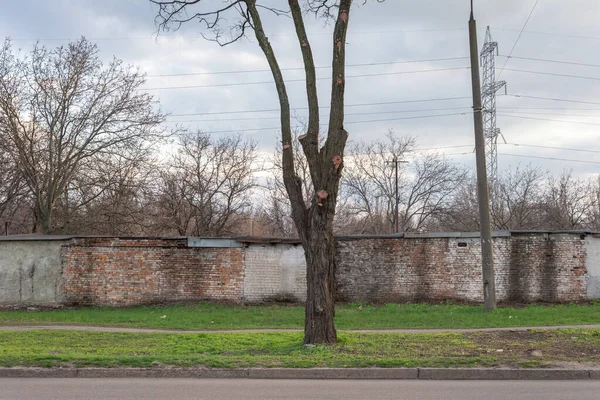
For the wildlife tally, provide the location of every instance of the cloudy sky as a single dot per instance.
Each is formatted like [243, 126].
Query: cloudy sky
[417, 82]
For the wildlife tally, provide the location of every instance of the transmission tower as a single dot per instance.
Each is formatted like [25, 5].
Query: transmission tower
[489, 88]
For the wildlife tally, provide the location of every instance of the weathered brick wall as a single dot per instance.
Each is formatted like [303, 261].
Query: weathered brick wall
[528, 267]
[140, 271]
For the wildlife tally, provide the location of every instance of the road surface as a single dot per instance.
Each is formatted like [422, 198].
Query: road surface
[221, 389]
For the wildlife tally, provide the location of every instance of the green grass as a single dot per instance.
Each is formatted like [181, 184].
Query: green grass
[229, 350]
[207, 316]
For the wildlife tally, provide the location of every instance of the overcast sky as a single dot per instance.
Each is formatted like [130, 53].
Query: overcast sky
[392, 32]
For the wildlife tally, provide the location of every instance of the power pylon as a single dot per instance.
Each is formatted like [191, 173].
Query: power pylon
[489, 88]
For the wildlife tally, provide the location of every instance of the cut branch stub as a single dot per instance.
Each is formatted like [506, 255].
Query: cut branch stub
[344, 15]
[321, 195]
[286, 146]
[339, 80]
[301, 137]
[337, 161]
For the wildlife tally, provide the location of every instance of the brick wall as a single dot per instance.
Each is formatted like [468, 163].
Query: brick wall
[137, 271]
[529, 267]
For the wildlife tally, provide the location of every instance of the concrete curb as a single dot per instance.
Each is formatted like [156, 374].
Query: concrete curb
[307, 373]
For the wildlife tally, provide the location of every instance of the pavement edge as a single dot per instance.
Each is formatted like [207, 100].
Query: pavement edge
[307, 373]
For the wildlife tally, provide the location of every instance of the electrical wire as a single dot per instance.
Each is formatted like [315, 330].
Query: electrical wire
[299, 80]
[518, 38]
[549, 158]
[548, 119]
[552, 61]
[553, 74]
[347, 105]
[302, 68]
[348, 115]
[346, 123]
[552, 99]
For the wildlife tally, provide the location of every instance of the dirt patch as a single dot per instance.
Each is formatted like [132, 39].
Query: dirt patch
[533, 348]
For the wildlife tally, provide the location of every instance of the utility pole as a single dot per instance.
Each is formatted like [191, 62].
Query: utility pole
[395, 161]
[489, 290]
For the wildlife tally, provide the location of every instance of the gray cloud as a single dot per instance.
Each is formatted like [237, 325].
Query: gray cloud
[393, 31]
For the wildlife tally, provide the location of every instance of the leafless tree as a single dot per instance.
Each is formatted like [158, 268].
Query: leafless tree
[595, 215]
[12, 190]
[277, 210]
[206, 188]
[425, 185]
[516, 199]
[462, 212]
[108, 198]
[314, 223]
[62, 111]
[568, 202]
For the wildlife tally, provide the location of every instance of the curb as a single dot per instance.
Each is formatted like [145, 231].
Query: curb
[308, 373]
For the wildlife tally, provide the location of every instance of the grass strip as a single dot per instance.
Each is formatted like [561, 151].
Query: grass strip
[231, 350]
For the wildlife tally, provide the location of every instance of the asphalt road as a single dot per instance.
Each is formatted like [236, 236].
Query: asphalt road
[221, 389]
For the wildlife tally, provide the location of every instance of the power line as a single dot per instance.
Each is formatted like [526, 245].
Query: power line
[394, 112]
[553, 99]
[300, 80]
[553, 61]
[302, 68]
[347, 123]
[551, 120]
[518, 37]
[549, 158]
[348, 105]
[553, 34]
[554, 114]
[553, 74]
[350, 114]
[550, 147]
[152, 37]
[550, 108]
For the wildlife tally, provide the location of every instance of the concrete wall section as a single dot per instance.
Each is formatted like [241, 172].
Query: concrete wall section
[592, 262]
[30, 273]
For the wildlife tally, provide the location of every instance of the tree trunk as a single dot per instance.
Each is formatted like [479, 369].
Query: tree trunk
[43, 220]
[319, 252]
[315, 224]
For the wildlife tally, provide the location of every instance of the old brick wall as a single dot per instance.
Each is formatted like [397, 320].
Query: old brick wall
[142, 271]
[528, 267]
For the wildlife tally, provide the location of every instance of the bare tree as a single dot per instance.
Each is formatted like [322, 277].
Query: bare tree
[462, 213]
[595, 215]
[568, 202]
[278, 208]
[62, 111]
[109, 197]
[206, 187]
[517, 196]
[425, 186]
[314, 223]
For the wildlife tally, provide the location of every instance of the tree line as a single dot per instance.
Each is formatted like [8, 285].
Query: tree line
[84, 151]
